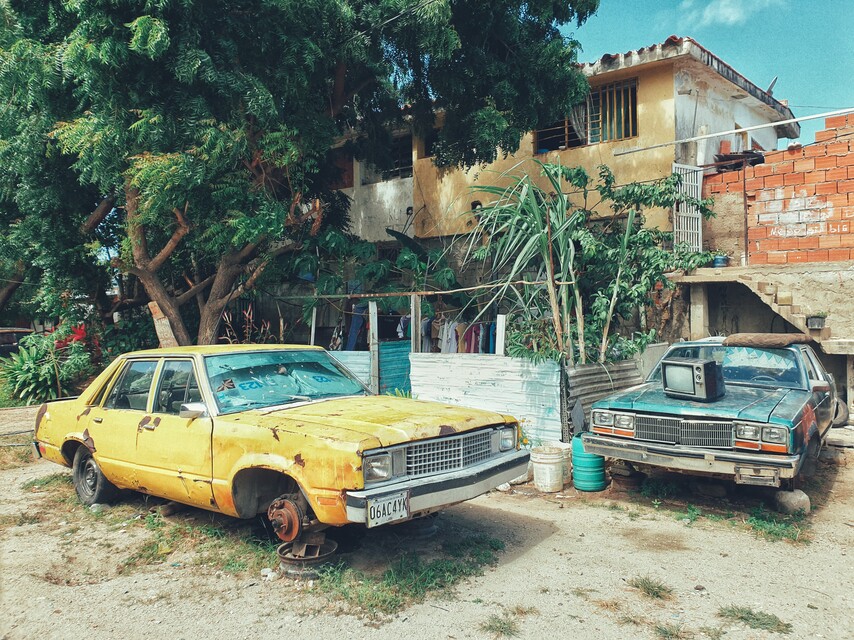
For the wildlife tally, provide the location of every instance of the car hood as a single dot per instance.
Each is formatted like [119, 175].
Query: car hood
[742, 403]
[387, 420]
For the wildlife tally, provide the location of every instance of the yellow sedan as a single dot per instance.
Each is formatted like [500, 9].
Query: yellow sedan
[286, 430]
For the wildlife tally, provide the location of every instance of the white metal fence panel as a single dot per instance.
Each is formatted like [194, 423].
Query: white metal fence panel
[513, 386]
[359, 362]
[687, 220]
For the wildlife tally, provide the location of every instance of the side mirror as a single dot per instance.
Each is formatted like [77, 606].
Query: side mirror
[193, 410]
[819, 386]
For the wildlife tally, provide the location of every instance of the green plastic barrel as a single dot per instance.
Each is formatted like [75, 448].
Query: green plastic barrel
[588, 469]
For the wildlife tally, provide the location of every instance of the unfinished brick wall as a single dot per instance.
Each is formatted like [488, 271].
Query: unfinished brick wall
[800, 203]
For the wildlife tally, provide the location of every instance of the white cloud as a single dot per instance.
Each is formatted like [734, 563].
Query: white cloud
[706, 13]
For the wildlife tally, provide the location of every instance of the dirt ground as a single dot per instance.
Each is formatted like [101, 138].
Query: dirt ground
[566, 569]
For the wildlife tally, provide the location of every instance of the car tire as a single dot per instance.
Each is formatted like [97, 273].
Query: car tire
[89, 482]
[840, 414]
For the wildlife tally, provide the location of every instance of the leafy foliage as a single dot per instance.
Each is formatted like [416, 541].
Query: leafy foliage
[208, 125]
[570, 272]
[45, 367]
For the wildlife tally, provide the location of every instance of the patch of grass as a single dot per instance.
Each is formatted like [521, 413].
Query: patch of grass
[212, 546]
[651, 587]
[522, 611]
[713, 633]
[582, 592]
[500, 626]
[47, 482]
[608, 605]
[409, 578]
[15, 451]
[775, 526]
[658, 489]
[672, 631]
[631, 619]
[755, 619]
[691, 514]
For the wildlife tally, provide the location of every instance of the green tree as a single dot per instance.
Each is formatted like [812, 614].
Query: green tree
[207, 124]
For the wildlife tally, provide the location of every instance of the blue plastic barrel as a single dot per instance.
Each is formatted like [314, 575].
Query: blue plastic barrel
[588, 469]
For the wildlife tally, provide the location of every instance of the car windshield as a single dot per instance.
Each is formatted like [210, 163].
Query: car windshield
[259, 379]
[753, 366]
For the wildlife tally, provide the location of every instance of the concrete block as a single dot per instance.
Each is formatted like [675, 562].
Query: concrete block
[784, 297]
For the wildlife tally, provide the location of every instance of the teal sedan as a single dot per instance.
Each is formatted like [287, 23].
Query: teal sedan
[750, 407]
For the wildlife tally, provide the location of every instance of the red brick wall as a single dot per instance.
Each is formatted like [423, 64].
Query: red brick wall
[800, 203]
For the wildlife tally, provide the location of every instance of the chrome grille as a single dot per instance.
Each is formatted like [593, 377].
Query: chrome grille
[691, 433]
[706, 434]
[447, 454]
[657, 429]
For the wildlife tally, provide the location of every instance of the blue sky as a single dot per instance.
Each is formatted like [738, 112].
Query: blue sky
[809, 44]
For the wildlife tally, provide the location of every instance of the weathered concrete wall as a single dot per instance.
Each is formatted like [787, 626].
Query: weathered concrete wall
[704, 104]
[443, 197]
[377, 206]
[800, 202]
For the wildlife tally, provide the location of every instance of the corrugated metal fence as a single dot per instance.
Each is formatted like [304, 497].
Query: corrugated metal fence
[394, 365]
[592, 382]
[512, 386]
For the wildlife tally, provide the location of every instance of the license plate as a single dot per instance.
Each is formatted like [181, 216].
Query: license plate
[389, 508]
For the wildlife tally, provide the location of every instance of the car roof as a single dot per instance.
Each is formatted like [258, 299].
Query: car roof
[221, 349]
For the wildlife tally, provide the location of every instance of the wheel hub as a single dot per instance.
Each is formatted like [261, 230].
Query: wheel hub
[286, 516]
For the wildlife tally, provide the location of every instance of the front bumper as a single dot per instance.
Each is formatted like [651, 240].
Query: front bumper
[433, 493]
[745, 468]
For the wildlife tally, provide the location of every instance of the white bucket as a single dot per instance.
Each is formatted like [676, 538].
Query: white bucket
[548, 468]
[566, 449]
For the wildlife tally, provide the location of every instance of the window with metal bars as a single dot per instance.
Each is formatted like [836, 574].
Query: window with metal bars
[609, 113]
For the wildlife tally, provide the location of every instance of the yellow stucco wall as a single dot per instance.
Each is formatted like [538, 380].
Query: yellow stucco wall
[442, 198]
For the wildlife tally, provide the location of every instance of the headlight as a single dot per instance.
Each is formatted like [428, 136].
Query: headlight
[377, 467]
[779, 435]
[623, 421]
[508, 439]
[747, 432]
[603, 418]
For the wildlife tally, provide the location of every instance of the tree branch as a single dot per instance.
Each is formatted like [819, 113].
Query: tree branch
[193, 291]
[97, 216]
[182, 230]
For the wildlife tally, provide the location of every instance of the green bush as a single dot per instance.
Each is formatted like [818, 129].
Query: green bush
[41, 370]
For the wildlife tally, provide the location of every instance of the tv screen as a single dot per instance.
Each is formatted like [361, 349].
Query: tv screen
[679, 378]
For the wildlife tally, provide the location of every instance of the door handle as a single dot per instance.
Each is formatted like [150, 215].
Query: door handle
[98, 420]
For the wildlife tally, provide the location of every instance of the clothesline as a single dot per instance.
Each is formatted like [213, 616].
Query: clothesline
[398, 294]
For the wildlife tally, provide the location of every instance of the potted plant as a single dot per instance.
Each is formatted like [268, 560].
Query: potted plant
[720, 258]
[816, 320]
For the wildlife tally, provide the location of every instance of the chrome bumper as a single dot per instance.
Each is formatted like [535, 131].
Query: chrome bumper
[745, 468]
[436, 492]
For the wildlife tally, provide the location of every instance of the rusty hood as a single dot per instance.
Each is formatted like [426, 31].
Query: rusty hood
[387, 419]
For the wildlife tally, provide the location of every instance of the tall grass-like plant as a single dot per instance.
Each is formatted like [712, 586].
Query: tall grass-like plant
[576, 253]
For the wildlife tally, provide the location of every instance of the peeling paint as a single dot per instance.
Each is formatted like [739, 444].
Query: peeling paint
[275, 432]
[446, 430]
[299, 461]
[39, 416]
[84, 413]
[142, 423]
[88, 441]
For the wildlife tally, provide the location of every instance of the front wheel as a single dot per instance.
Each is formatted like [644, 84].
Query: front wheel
[840, 413]
[89, 482]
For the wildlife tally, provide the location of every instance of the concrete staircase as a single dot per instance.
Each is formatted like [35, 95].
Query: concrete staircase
[782, 303]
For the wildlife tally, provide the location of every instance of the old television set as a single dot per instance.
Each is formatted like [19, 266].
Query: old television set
[692, 379]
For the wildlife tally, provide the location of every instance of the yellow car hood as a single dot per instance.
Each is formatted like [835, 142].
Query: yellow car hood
[388, 419]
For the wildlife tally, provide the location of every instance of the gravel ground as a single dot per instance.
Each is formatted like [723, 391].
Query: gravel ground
[565, 571]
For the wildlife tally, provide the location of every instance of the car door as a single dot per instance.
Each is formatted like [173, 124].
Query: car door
[824, 400]
[174, 453]
[112, 427]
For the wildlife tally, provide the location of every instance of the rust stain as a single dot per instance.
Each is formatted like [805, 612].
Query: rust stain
[445, 430]
[298, 460]
[142, 423]
[83, 414]
[275, 434]
[39, 416]
[87, 440]
[156, 422]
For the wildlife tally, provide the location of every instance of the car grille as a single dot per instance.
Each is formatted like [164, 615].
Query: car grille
[447, 454]
[691, 433]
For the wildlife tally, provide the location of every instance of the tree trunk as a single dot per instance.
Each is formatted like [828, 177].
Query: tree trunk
[11, 287]
[222, 290]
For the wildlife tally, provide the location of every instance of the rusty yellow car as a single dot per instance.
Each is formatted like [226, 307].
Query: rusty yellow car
[282, 430]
